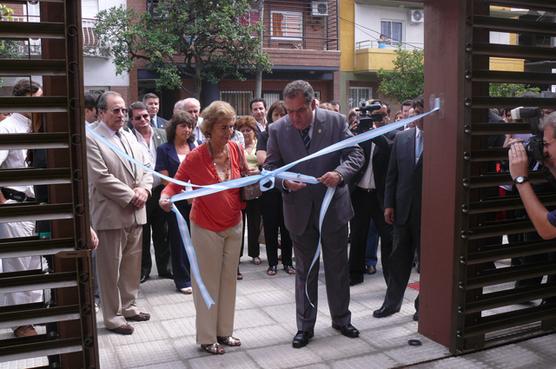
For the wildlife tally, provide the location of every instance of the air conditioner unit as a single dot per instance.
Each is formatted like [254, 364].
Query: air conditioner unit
[417, 15]
[319, 8]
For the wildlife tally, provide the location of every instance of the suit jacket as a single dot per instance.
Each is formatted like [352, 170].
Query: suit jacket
[112, 180]
[167, 158]
[404, 177]
[160, 122]
[285, 146]
[381, 158]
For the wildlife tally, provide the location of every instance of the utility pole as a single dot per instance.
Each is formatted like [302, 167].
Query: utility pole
[259, 80]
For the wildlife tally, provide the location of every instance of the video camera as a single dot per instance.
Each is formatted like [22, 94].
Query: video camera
[368, 115]
[535, 146]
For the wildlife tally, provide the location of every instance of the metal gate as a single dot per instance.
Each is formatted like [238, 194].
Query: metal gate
[49, 49]
[498, 283]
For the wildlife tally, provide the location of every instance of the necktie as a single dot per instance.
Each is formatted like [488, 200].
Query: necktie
[418, 145]
[128, 152]
[305, 137]
[153, 123]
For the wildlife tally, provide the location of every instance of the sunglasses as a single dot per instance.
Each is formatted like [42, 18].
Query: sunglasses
[139, 117]
[119, 110]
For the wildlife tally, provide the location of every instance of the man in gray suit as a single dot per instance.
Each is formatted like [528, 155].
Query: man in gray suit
[303, 131]
[118, 195]
[402, 208]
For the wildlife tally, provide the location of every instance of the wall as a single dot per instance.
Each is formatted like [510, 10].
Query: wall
[368, 19]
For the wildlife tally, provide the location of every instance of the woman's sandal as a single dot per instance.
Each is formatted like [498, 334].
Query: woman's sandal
[271, 270]
[229, 341]
[213, 348]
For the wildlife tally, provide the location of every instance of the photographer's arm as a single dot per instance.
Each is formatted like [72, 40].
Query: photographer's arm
[536, 211]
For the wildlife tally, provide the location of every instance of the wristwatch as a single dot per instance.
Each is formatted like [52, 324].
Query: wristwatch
[520, 179]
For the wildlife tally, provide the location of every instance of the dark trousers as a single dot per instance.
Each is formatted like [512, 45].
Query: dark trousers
[273, 222]
[371, 257]
[336, 273]
[180, 261]
[253, 214]
[406, 242]
[156, 220]
[366, 206]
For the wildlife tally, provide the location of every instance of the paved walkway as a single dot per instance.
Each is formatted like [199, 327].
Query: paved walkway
[265, 321]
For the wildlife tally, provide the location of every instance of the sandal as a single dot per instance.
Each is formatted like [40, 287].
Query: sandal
[256, 260]
[213, 348]
[229, 341]
[289, 269]
[271, 270]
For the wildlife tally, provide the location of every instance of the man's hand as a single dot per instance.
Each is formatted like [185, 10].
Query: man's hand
[519, 162]
[2, 198]
[294, 186]
[94, 239]
[389, 215]
[140, 197]
[330, 179]
[165, 204]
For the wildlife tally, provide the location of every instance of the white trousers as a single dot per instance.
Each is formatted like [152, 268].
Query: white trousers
[13, 230]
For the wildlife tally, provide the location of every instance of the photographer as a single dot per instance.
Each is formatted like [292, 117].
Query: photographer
[367, 196]
[543, 220]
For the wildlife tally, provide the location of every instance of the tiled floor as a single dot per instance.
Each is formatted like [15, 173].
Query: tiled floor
[265, 321]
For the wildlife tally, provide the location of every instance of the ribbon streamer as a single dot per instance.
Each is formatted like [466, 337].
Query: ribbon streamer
[266, 181]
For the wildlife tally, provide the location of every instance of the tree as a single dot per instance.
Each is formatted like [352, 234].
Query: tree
[510, 89]
[407, 79]
[203, 40]
[8, 48]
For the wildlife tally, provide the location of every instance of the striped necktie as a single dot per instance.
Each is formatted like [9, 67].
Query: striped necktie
[305, 137]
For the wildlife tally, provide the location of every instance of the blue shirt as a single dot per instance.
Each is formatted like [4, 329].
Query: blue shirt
[552, 217]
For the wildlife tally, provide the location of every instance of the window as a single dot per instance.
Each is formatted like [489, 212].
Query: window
[239, 100]
[359, 94]
[270, 98]
[392, 30]
[286, 25]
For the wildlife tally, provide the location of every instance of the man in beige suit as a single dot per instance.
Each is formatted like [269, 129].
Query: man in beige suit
[119, 191]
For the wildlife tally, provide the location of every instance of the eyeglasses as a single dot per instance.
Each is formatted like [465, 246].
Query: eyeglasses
[119, 110]
[143, 116]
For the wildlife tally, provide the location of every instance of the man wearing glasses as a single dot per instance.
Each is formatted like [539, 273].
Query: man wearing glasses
[150, 138]
[543, 220]
[119, 192]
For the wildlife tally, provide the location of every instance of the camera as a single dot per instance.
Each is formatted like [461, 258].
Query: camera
[368, 114]
[535, 146]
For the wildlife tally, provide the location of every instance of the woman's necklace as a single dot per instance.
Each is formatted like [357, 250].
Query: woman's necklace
[221, 166]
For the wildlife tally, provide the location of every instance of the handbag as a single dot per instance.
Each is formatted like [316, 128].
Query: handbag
[252, 191]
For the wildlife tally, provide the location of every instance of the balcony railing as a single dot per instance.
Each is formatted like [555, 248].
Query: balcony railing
[90, 40]
[377, 44]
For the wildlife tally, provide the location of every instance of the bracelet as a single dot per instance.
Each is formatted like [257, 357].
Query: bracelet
[341, 176]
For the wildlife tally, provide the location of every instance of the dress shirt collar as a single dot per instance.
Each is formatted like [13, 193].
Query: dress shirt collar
[110, 131]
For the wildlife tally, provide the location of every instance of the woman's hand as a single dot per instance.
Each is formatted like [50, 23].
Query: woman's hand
[254, 171]
[165, 204]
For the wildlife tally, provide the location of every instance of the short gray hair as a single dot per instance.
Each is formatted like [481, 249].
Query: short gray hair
[549, 120]
[297, 88]
[180, 105]
[102, 103]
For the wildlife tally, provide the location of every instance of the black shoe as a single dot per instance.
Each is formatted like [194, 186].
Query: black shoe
[301, 339]
[144, 278]
[355, 279]
[347, 330]
[384, 311]
[416, 316]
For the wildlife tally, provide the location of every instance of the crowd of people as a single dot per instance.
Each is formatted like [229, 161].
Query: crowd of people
[377, 195]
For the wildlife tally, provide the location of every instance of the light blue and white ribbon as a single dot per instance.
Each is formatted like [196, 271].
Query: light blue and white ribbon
[266, 180]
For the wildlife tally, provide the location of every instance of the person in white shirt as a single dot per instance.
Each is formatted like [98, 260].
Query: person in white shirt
[16, 158]
[258, 111]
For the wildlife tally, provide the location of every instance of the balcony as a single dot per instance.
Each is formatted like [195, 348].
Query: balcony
[372, 55]
[32, 47]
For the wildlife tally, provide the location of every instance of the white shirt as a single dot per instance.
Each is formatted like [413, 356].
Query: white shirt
[367, 181]
[418, 135]
[261, 126]
[15, 158]
[149, 150]
[199, 137]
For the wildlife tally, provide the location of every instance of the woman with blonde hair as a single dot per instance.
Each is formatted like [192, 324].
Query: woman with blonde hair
[215, 225]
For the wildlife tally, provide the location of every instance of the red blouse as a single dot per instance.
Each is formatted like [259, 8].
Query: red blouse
[218, 211]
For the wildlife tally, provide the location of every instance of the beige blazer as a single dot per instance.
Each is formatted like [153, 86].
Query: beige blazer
[112, 179]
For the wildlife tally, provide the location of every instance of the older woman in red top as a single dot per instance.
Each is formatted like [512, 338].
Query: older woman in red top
[215, 225]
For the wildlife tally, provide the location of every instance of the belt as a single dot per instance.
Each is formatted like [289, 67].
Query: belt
[366, 189]
[18, 196]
